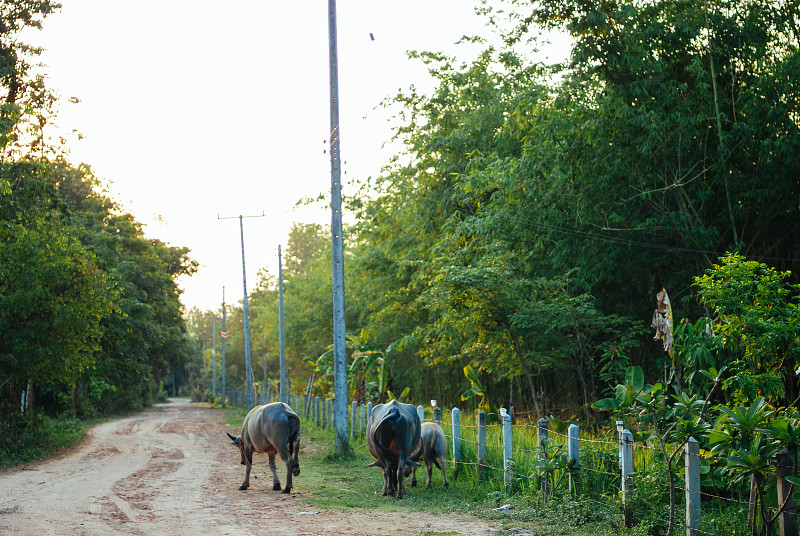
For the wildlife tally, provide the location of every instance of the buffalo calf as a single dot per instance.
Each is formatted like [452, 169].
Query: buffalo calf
[432, 448]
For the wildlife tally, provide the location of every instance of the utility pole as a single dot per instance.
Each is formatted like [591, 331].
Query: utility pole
[214, 357]
[224, 336]
[337, 251]
[284, 375]
[247, 364]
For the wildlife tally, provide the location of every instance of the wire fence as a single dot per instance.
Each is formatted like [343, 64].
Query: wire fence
[541, 463]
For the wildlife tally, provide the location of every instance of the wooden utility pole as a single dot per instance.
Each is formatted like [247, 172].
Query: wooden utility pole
[337, 250]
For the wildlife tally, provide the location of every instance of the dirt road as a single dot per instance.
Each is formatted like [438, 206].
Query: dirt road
[170, 470]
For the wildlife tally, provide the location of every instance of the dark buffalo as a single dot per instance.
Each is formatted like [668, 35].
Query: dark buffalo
[271, 429]
[432, 448]
[392, 432]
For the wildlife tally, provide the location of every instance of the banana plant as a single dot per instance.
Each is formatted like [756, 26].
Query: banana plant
[476, 388]
[625, 394]
[368, 371]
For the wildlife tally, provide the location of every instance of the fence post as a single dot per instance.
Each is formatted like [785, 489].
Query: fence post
[330, 412]
[353, 421]
[692, 464]
[573, 453]
[456, 414]
[542, 431]
[437, 416]
[421, 413]
[541, 442]
[481, 443]
[361, 421]
[626, 466]
[319, 411]
[508, 464]
[787, 522]
[369, 413]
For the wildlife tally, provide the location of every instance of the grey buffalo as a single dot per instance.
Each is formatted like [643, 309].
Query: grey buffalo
[392, 432]
[271, 429]
[432, 448]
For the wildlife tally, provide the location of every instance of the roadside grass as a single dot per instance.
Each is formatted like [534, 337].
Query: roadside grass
[23, 441]
[346, 483]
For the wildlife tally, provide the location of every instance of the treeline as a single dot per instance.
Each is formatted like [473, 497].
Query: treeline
[538, 210]
[90, 317]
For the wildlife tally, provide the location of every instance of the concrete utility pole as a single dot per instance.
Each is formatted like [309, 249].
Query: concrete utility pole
[284, 374]
[337, 250]
[247, 363]
[214, 357]
[224, 336]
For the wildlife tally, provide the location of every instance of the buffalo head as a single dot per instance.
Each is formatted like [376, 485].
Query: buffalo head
[236, 440]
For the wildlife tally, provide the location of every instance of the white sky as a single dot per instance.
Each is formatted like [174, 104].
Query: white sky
[194, 109]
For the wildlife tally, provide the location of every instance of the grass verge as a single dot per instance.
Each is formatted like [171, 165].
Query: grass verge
[346, 483]
[31, 440]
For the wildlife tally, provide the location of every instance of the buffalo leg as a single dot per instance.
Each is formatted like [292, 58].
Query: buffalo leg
[444, 472]
[276, 482]
[429, 471]
[288, 461]
[387, 479]
[247, 467]
[400, 477]
[414, 477]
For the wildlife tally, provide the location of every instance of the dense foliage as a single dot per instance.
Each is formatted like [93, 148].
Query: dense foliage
[515, 250]
[89, 308]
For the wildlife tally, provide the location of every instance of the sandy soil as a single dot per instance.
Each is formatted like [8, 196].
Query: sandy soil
[170, 470]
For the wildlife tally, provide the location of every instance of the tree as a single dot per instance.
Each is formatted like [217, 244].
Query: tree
[758, 321]
[54, 299]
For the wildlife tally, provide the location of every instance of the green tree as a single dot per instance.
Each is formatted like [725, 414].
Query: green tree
[758, 322]
[54, 299]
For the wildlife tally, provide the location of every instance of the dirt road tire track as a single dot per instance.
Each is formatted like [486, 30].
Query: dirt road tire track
[171, 471]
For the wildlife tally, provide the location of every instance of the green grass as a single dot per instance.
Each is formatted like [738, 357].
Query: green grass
[24, 440]
[346, 483]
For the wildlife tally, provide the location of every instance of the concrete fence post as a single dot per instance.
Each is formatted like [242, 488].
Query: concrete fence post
[573, 453]
[437, 416]
[361, 421]
[481, 443]
[691, 454]
[626, 470]
[354, 405]
[456, 439]
[421, 413]
[369, 413]
[542, 431]
[508, 464]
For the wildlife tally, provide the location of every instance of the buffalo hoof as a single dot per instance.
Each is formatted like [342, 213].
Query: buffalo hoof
[242, 487]
[276, 487]
[286, 490]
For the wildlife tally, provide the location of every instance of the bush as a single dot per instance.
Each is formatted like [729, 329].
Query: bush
[28, 438]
